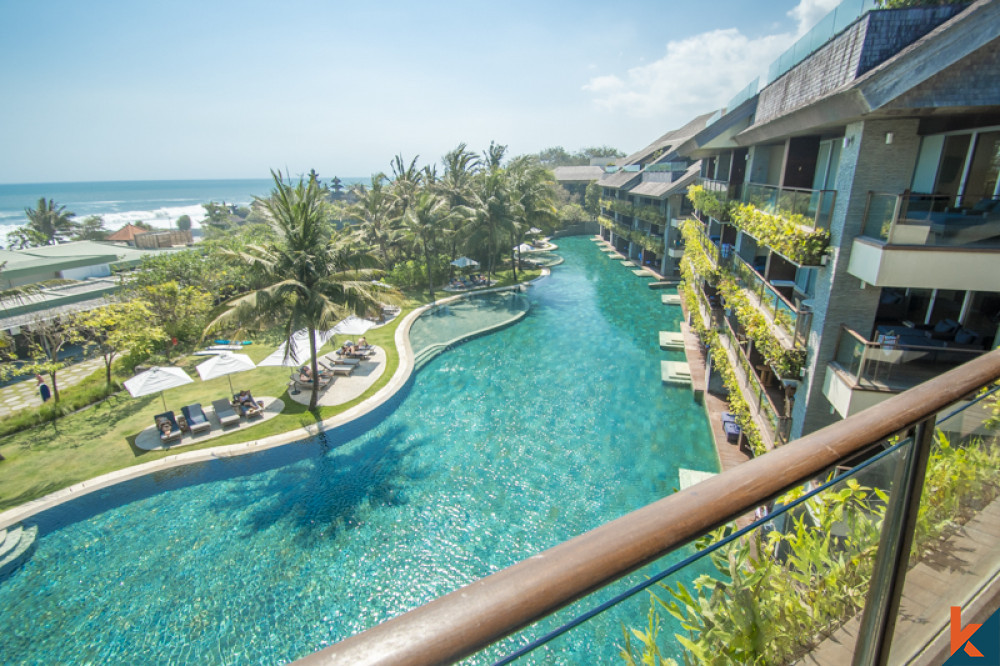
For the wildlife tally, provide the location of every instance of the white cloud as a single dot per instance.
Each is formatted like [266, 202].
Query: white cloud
[696, 75]
[808, 13]
[701, 72]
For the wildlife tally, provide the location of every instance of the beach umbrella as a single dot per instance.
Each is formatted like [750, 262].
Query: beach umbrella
[352, 325]
[524, 247]
[225, 363]
[155, 380]
[534, 231]
[464, 262]
[298, 354]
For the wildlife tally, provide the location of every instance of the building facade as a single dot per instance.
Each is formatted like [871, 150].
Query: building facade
[846, 239]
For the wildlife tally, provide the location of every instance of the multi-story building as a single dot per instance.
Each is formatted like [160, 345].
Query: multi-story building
[846, 243]
[643, 200]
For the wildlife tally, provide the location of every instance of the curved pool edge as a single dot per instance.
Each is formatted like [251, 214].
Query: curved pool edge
[398, 380]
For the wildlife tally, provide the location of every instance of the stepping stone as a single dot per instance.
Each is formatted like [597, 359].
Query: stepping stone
[671, 340]
[689, 477]
[670, 299]
[18, 549]
[675, 372]
[642, 272]
[627, 262]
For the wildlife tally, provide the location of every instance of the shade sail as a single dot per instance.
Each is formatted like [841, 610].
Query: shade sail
[352, 325]
[299, 353]
[463, 262]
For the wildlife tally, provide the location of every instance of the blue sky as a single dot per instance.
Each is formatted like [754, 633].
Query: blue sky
[134, 91]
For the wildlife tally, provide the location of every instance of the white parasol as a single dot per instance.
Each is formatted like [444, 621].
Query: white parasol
[352, 325]
[225, 363]
[156, 380]
[464, 262]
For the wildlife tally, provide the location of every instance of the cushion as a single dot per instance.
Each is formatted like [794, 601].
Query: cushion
[966, 337]
[946, 326]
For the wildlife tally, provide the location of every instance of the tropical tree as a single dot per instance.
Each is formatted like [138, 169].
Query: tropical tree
[24, 237]
[51, 222]
[184, 223]
[306, 286]
[92, 228]
[424, 222]
[592, 200]
[457, 186]
[490, 216]
[533, 192]
[47, 338]
[117, 327]
[181, 311]
[406, 182]
[373, 210]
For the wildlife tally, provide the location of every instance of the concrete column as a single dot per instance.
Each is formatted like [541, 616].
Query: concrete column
[867, 163]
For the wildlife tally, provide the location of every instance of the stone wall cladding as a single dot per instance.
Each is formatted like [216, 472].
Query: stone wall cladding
[862, 46]
[830, 67]
[892, 30]
[868, 164]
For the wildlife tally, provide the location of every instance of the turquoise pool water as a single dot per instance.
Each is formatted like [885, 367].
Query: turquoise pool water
[499, 448]
[448, 322]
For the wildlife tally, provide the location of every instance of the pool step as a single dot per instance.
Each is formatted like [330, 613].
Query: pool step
[672, 340]
[675, 372]
[663, 284]
[670, 299]
[643, 272]
[627, 262]
[690, 477]
[19, 544]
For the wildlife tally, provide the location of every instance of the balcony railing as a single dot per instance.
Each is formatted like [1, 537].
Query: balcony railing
[777, 425]
[793, 321]
[815, 206]
[725, 190]
[896, 363]
[932, 219]
[901, 430]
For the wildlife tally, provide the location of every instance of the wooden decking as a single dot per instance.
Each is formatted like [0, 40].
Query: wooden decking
[963, 571]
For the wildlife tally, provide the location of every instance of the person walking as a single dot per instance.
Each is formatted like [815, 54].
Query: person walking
[43, 388]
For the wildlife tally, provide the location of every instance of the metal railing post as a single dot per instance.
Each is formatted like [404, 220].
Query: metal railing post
[882, 603]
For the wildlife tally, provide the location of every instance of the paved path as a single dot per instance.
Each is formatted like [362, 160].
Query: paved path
[24, 394]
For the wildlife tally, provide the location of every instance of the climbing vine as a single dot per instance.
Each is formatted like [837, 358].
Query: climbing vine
[788, 235]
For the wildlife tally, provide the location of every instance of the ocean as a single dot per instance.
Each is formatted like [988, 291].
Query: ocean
[157, 202]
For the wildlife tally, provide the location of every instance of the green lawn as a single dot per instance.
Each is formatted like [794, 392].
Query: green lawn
[100, 439]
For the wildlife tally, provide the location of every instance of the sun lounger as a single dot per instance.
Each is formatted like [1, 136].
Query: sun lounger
[224, 411]
[731, 427]
[195, 417]
[341, 369]
[175, 430]
[247, 406]
[299, 384]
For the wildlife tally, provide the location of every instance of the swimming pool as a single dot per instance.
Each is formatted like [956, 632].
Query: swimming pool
[497, 449]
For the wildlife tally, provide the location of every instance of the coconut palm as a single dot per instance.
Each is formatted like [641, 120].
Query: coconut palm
[52, 223]
[532, 188]
[490, 214]
[373, 210]
[406, 182]
[424, 222]
[457, 186]
[307, 284]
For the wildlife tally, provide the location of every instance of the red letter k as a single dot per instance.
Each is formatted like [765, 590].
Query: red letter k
[960, 636]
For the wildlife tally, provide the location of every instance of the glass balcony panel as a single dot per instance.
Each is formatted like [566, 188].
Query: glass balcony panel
[850, 352]
[934, 220]
[816, 206]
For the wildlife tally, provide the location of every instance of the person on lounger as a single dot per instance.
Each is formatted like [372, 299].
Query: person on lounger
[362, 342]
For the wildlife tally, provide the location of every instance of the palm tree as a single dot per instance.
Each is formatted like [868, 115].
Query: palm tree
[373, 210]
[457, 186]
[307, 284]
[490, 215]
[533, 189]
[406, 181]
[54, 224]
[424, 222]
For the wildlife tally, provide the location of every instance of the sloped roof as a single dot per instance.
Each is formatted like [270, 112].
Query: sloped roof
[671, 139]
[658, 190]
[578, 174]
[126, 233]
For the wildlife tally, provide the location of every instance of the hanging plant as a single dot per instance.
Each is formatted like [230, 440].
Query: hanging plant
[785, 362]
[707, 202]
[790, 236]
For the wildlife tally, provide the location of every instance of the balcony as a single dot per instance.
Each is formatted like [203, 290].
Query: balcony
[854, 491]
[790, 324]
[864, 373]
[758, 386]
[928, 241]
[723, 189]
[814, 206]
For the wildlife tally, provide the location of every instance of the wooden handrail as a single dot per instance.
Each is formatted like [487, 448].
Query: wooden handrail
[465, 621]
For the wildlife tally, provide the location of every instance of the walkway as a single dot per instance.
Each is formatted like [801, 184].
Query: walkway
[349, 387]
[24, 394]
